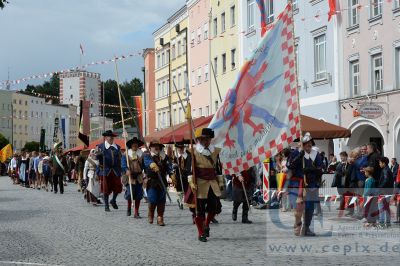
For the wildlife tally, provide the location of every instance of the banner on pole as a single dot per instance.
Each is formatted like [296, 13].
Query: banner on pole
[266, 180]
[260, 115]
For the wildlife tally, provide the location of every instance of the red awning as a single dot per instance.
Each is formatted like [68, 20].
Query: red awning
[182, 133]
[94, 143]
[320, 129]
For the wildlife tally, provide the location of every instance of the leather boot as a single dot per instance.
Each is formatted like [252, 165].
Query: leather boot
[137, 204]
[307, 232]
[245, 217]
[160, 214]
[210, 217]
[235, 211]
[152, 208]
[129, 210]
[200, 228]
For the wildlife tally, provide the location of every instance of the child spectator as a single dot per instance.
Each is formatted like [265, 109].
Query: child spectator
[385, 188]
[370, 198]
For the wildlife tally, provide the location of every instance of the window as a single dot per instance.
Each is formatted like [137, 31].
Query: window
[207, 111]
[215, 27]
[185, 79]
[158, 61]
[163, 121]
[184, 45]
[355, 77]
[233, 58]
[377, 73]
[180, 115]
[179, 81]
[396, 3]
[159, 120]
[353, 13]
[192, 38]
[216, 106]
[194, 113]
[199, 35]
[173, 52]
[159, 90]
[223, 63]
[199, 76]
[223, 22]
[174, 118]
[216, 65]
[320, 57]
[376, 8]
[233, 21]
[270, 11]
[397, 67]
[167, 53]
[179, 48]
[205, 29]
[200, 112]
[250, 14]
[206, 72]
[163, 59]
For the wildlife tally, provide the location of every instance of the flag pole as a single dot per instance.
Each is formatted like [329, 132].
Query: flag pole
[124, 133]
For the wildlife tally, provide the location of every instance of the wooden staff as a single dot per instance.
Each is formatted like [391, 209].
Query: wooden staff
[123, 128]
[189, 121]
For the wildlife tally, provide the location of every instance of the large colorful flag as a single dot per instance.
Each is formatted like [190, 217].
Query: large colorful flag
[260, 114]
[5, 153]
[261, 6]
[139, 109]
[84, 122]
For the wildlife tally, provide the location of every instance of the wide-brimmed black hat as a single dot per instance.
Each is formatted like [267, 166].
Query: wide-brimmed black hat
[179, 145]
[154, 143]
[204, 133]
[134, 140]
[109, 133]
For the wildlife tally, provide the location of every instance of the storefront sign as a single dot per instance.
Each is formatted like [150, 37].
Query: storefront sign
[371, 111]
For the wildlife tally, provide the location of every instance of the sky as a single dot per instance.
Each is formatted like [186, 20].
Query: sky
[42, 36]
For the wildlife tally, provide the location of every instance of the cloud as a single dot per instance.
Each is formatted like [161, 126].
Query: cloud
[42, 36]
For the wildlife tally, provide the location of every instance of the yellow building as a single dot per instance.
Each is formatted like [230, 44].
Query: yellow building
[224, 48]
[170, 42]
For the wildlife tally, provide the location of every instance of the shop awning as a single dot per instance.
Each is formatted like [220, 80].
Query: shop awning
[320, 129]
[93, 145]
[182, 133]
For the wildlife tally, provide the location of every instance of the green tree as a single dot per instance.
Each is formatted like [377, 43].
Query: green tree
[3, 141]
[32, 146]
[128, 89]
[51, 87]
[3, 3]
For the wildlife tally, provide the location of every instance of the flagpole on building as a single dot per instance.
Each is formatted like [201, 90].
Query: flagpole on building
[124, 133]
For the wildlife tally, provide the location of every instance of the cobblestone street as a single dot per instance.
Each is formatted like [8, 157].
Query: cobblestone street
[39, 228]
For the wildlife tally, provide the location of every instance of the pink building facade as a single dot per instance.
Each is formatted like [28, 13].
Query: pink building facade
[199, 70]
[370, 94]
[149, 106]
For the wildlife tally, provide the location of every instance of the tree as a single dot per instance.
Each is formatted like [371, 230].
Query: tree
[51, 87]
[128, 89]
[32, 146]
[3, 141]
[3, 3]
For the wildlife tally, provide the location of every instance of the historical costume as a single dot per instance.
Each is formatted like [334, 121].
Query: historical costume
[246, 179]
[23, 169]
[13, 169]
[79, 167]
[109, 170]
[59, 166]
[307, 169]
[156, 164]
[208, 184]
[92, 180]
[133, 176]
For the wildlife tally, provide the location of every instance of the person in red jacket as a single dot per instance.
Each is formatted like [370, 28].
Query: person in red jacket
[246, 180]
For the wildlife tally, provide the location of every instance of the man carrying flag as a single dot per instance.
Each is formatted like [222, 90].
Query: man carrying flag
[208, 183]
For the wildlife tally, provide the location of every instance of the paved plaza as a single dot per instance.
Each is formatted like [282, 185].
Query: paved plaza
[39, 228]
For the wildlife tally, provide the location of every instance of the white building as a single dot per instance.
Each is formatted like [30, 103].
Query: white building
[81, 85]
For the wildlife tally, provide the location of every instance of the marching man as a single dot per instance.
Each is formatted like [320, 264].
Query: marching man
[157, 163]
[208, 184]
[307, 167]
[109, 169]
[134, 175]
[246, 180]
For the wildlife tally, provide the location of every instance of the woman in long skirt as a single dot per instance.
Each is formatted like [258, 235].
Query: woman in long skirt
[92, 180]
